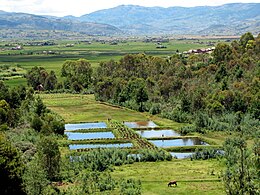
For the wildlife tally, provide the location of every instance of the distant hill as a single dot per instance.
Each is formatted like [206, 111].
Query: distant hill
[232, 19]
[229, 19]
[25, 21]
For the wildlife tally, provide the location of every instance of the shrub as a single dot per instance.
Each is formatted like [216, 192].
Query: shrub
[207, 153]
[130, 187]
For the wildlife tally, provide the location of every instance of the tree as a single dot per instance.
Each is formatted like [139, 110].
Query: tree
[4, 93]
[14, 99]
[4, 109]
[54, 122]
[39, 76]
[40, 108]
[49, 156]
[37, 123]
[245, 38]
[11, 168]
[241, 171]
[221, 73]
[36, 76]
[141, 97]
[35, 178]
[222, 53]
[78, 73]
[50, 81]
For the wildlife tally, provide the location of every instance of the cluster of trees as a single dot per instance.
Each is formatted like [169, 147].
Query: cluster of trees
[29, 153]
[77, 77]
[19, 106]
[11, 100]
[226, 82]
[29, 162]
[77, 74]
[242, 172]
[40, 79]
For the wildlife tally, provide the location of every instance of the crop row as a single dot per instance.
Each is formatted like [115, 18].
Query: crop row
[124, 132]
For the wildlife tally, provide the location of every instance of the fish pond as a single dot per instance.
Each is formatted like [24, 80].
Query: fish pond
[178, 142]
[158, 133]
[83, 146]
[140, 124]
[94, 135]
[98, 125]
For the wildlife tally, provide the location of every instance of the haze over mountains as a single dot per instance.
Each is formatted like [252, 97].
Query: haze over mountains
[229, 19]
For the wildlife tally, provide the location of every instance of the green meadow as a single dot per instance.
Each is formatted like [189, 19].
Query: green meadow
[76, 108]
[84, 108]
[193, 177]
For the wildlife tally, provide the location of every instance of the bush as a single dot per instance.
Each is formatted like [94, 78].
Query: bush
[177, 115]
[207, 153]
[4, 127]
[187, 129]
[37, 123]
[155, 109]
[154, 155]
[130, 187]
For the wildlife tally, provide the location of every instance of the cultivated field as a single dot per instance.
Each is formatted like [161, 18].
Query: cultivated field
[84, 108]
[95, 53]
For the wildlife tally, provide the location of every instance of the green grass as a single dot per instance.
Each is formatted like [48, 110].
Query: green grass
[193, 177]
[16, 82]
[84, 108]
[166, 122]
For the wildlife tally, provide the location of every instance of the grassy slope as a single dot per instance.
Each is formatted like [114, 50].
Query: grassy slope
[194, 177]
[84, 108]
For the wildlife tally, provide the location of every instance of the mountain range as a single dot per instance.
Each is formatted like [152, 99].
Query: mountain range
[25, 21]
[228, 19]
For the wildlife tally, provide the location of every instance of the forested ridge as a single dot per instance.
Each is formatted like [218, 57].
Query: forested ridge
[215, 90]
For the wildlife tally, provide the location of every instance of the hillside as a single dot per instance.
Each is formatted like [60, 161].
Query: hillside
[229, 19]
[25, 21]
[226, 19]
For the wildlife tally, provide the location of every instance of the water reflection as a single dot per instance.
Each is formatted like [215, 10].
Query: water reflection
[94, 135]
[178, 142]
[158, 133]
[140, 124]
[98, 125]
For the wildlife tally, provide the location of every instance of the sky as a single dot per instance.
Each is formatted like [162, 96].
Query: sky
[81, 7]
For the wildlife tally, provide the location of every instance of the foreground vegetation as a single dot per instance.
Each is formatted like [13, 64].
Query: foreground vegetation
[194, 177]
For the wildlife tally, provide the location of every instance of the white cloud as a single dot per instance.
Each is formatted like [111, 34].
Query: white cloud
[80, 7]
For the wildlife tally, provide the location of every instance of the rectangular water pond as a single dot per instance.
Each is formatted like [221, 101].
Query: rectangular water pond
[182, 155]
[98, 125]
[158, 133]
[94, 135]
[178, 142]
[82, 146]
[140, 124]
